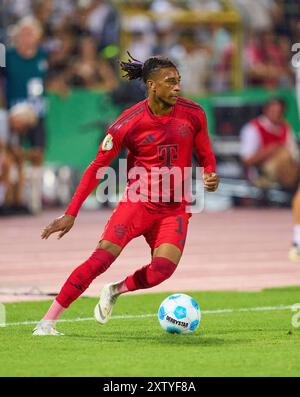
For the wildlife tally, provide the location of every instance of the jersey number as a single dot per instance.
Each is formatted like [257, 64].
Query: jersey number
[179, 220]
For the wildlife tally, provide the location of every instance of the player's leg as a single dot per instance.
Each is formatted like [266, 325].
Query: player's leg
[163, 264]
[294, 253]
[131, 222]
[78, 281]
[81, 278]
[166, 238]
[117, 233]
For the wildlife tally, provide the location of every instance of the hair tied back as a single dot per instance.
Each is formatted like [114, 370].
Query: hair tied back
[133, 68]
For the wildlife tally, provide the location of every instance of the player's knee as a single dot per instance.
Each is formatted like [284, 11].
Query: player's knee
[114, 249]
[162, 269]
[168, 251]
[99, 262]
[96, 264]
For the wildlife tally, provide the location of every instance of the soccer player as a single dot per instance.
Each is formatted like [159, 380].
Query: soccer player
[160, 131]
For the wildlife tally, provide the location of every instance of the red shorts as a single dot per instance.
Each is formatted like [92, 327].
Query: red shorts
[130, 220]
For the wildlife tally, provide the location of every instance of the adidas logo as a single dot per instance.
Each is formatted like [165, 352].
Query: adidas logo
[149, 139]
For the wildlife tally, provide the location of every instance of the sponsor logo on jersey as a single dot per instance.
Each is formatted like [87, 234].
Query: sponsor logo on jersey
[107, 144]
[167, 154]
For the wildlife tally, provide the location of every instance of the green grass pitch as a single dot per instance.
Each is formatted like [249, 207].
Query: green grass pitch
[237, 343]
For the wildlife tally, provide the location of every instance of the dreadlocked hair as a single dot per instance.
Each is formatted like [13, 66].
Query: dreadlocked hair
[138, 70]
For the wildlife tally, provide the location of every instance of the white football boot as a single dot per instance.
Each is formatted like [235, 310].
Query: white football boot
[103, 309]
[46, 327]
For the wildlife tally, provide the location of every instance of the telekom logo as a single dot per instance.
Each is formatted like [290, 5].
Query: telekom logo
[2, 55]
[167, 153]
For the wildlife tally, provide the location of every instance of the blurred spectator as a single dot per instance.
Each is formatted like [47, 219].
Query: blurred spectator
[102, 21]
[142, 32]
[42, 11]
[140, 45]
[61, 48]
[268, 149]
[57, 81]
[17, 9]
[257, 14]
[164, 6]
[205, 5]
[266, 63]
[285, 15]
[193, 58]
[222, 49]
[62, 9]
[89, 70]
[26, 65]
[296, 30]
[165, 37]
[14, 126]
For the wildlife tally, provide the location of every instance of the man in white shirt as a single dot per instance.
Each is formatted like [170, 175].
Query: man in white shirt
[268, 148]
[13, 124]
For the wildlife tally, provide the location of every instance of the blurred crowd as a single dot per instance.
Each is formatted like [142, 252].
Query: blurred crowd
[81, 40]
[57, 45]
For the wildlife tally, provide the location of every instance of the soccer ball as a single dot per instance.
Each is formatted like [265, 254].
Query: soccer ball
[179, 314]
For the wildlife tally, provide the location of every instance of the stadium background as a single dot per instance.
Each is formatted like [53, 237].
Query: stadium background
[213, 41]
[213, 38]
[241, 240]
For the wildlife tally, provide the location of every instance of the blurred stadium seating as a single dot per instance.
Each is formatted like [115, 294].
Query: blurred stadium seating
[238, 53]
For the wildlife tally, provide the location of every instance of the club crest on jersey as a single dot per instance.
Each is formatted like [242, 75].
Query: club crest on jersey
[183, 130]
[107, 144]
[120, 230]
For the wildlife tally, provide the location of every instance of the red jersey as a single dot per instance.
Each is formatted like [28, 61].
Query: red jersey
[153, 142]
[267, 134]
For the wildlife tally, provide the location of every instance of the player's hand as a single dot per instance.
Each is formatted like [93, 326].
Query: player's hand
[63, 224]
[211, 181]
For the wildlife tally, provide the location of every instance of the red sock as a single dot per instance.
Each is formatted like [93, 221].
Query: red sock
[54, 311]
[83, 275]
[159, 270]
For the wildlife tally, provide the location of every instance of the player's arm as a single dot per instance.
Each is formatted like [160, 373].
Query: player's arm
[205, 155]
[108, 150]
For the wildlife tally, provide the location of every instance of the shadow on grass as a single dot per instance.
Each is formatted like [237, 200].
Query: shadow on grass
[157, 340]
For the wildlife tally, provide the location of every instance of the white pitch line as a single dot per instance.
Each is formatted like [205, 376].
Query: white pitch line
[217, 311]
